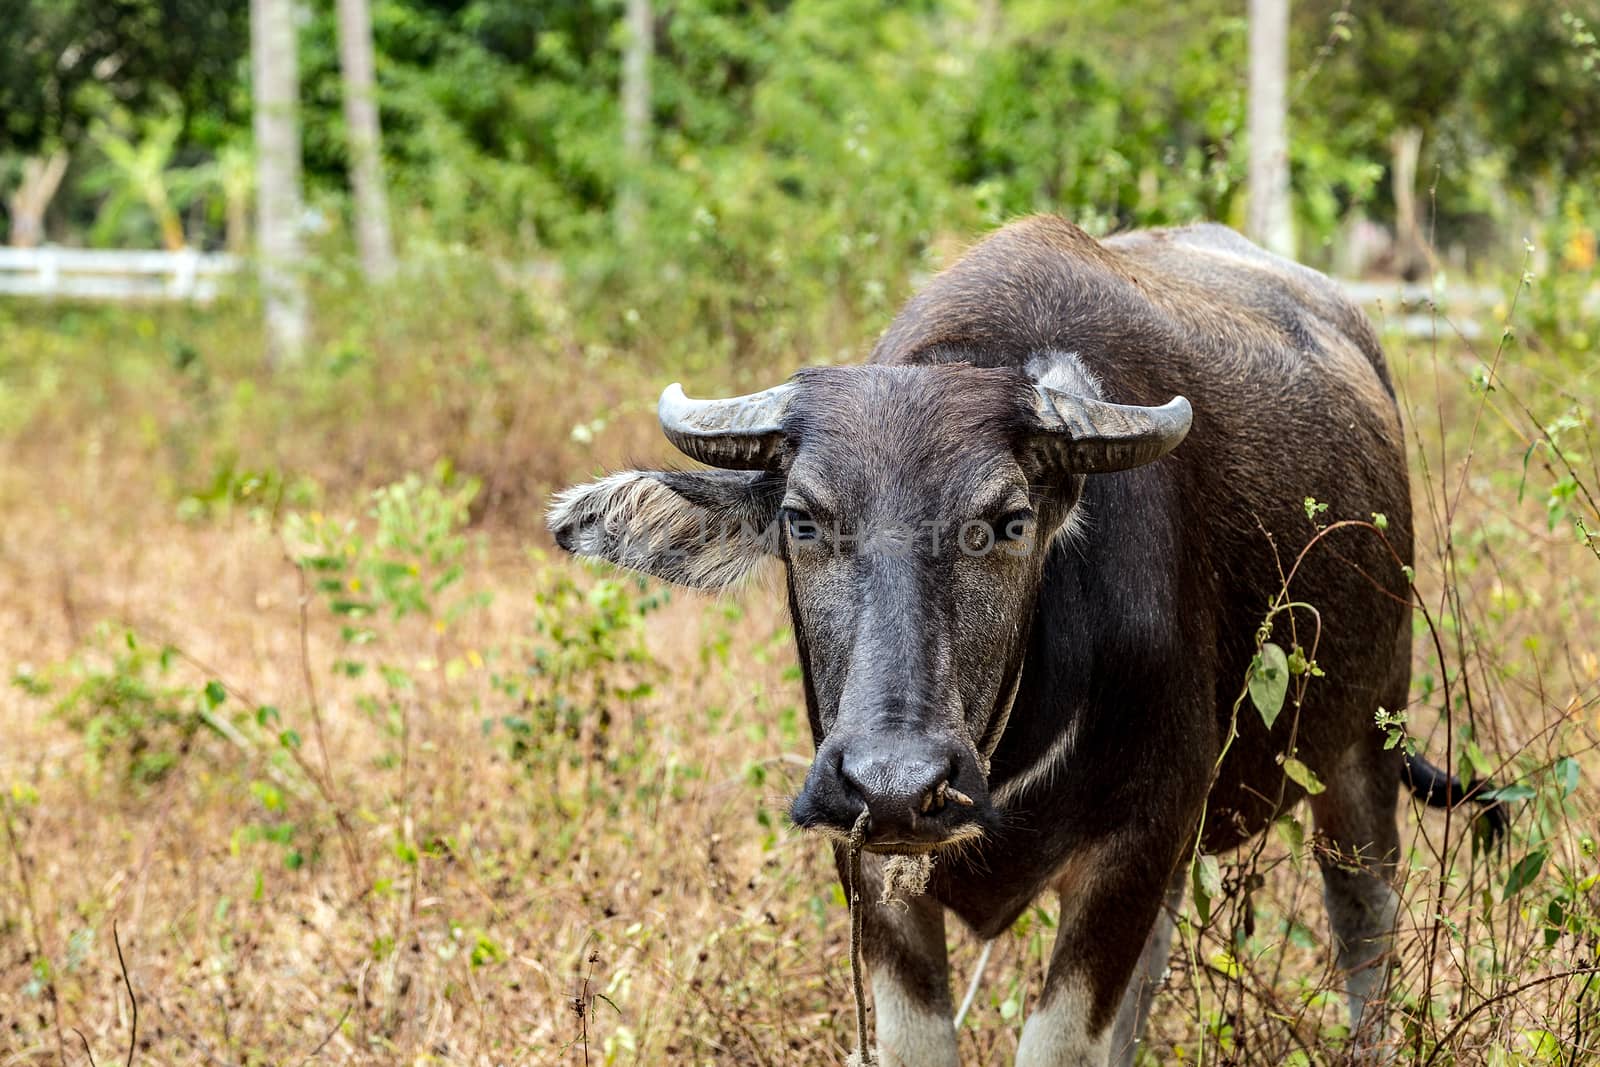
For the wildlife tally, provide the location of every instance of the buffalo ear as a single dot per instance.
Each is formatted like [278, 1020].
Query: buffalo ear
[703, 529]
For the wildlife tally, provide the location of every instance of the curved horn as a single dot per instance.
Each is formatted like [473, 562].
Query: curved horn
[1084, 436]
[740, 433]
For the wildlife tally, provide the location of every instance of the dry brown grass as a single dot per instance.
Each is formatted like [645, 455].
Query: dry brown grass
[631, 895]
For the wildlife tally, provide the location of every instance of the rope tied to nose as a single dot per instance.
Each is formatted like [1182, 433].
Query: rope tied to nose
[864, 1055]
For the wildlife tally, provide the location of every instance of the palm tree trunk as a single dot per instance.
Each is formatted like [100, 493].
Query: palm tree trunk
[635, 114]
[365, 141]
[1413, 256]
[236, 225]
[275, 87]
[160, 205]
[1270, 222]
[41, 177]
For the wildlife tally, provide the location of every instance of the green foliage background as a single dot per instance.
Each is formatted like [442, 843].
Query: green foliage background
[811, 146]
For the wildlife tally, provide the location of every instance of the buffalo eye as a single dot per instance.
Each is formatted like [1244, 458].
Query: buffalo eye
[800, 525]
[1013, 525]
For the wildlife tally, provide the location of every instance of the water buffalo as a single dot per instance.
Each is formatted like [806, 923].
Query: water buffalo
[1028, 547]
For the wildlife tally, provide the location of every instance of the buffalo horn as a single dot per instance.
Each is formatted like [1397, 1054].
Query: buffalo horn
[739, 433]
[1083, 436]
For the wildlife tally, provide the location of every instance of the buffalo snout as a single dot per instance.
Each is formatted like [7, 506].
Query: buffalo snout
[920, 790]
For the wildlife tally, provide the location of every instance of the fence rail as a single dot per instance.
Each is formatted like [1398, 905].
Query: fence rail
[92, 274]
[1414, 309]
[85, 274]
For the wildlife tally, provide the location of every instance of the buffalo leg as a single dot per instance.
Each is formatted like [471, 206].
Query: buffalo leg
[1149, 976]
[909, 972]
[1360, 845]
[1111, 896]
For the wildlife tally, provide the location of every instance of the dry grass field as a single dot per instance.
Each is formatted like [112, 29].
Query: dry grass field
[379, 779]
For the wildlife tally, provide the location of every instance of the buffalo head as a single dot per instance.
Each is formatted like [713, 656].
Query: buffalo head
[913, 508]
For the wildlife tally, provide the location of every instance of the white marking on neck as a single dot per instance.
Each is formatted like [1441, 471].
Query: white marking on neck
[1044, 769]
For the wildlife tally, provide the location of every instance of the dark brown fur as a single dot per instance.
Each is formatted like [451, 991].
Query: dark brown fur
[1146, 633]
[1127, 641]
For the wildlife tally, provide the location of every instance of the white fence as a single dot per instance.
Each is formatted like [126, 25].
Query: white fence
[84, 274]
[88, 274]
[1417, 310]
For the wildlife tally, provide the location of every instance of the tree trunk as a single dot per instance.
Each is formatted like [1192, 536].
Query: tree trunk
[160, 205]
[40, 180]
[275, 87]
[987, 27]
[1270, 222]
[635, 115]
[236, 233]
[365, 141]
[1413, 257]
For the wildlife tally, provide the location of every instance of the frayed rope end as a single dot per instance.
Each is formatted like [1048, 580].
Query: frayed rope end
[905, 877]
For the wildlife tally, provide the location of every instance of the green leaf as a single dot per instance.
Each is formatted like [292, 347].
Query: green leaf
[1523, 874]
[1269, 682]
[215, 695]
[1206, 877]
[1302, 776]
[1514, 791]
[1294, 835]
[1555, 917]
[1566, 775]
[1478, 765]
[269, 795]
[486, 951]
[1224, 963]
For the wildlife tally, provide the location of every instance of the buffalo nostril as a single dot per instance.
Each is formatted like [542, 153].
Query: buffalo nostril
[934, 799]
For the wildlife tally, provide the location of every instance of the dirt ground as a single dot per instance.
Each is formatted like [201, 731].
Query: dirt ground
[436, 878]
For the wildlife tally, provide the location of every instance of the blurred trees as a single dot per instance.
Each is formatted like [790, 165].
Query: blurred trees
[640, 42]
[61, 60]
[818, 143]
[39, 178]
[1399, 85]
[137, 170]
[1537, 83]
[1271, 224]
[364, 140]
[276, 111]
